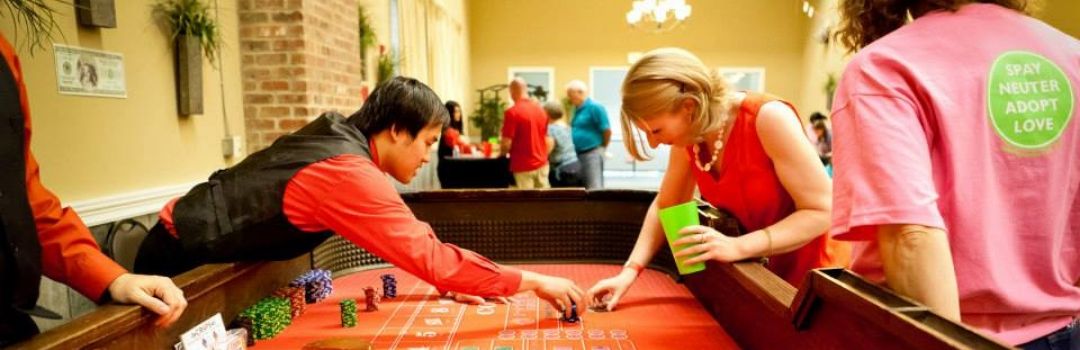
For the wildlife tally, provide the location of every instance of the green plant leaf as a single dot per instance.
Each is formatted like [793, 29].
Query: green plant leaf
[192, 18]
[33, 18]
[489, 113]
[367, 32]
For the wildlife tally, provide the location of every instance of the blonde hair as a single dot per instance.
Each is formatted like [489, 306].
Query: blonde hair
[659, 82]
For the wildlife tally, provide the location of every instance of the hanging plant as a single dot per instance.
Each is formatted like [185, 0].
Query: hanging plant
[367, 40]
[196, 34]
[192, 18]
[32, 18]
[387, 65]
[367, 32]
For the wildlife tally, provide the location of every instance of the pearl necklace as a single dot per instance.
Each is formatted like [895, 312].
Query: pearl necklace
[717, 146]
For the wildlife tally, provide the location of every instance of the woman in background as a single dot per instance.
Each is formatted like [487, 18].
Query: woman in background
[565, 168]
[451, 138]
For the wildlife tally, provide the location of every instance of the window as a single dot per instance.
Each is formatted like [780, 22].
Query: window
[541, 80]
[744, 78]
[605, 88]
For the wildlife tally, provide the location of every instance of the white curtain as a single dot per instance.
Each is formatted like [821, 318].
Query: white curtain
[433, 46]
[433, 50]
[414, 48]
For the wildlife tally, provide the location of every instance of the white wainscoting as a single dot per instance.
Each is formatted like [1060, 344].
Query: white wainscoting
[108, 209]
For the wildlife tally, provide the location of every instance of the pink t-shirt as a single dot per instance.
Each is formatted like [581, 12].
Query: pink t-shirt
[962, 121]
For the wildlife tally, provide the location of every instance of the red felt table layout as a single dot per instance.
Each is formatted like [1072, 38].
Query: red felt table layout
[657, 313]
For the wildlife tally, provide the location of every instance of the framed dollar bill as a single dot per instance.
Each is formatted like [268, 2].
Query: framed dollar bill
[87, 72]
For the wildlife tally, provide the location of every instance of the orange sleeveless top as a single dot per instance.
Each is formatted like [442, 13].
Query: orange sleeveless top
[748, 188]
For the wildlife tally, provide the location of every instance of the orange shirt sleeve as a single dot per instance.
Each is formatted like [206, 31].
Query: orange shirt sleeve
[349, 195]
[69, 253]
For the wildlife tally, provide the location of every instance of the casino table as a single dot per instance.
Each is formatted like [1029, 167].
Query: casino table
[656, 313]
[582, 235]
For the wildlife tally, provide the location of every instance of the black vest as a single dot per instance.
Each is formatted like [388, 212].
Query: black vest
[20, 255]
[236, 215]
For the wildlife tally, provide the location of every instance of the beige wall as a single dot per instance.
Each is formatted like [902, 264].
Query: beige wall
[1062, 14]
[572, 35]
[91, 147]
[819, 59]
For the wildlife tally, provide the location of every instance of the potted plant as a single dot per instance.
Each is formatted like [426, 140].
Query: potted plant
[195, 34]
[35, 19]
[367, 40]
[387, 65]
[489, 113]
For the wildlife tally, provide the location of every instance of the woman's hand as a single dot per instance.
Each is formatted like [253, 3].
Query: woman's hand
[612, 289]
[708, 244]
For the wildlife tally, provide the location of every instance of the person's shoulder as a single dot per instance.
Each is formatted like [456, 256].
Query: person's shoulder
[340, 165]
[536, 109]
[336, 175]
[512, 113]
[594, 108]
[513, 109]
[776, 112]
[776, 107]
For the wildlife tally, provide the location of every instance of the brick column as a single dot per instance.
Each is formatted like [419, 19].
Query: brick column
[299, 58]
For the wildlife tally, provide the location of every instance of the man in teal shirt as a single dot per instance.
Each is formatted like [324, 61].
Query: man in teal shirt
[591, 134]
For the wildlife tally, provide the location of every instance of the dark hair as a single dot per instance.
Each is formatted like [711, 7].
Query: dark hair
[451, 105]
[819, 124]
[864, 21]
[554, 110]
[817, 116]
[400, 102]
[826, 134]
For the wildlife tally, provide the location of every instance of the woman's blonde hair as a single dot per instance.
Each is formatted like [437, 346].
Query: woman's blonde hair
[659, 82]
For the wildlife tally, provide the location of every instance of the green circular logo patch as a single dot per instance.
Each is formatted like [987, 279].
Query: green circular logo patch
[1029, 98]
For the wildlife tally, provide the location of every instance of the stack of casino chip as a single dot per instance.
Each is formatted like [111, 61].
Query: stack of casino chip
[371, 299]
[245, 323]
[348, 313]
[296, 297]
[317, 285]
[268, 317]
[389, 286]
[571, 315]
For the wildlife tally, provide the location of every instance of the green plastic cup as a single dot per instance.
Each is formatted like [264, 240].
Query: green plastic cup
[673, 219]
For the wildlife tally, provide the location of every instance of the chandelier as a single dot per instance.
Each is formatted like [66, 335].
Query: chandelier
[657, 15]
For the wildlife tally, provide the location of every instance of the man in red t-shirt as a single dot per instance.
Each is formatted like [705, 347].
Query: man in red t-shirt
[524, 133]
